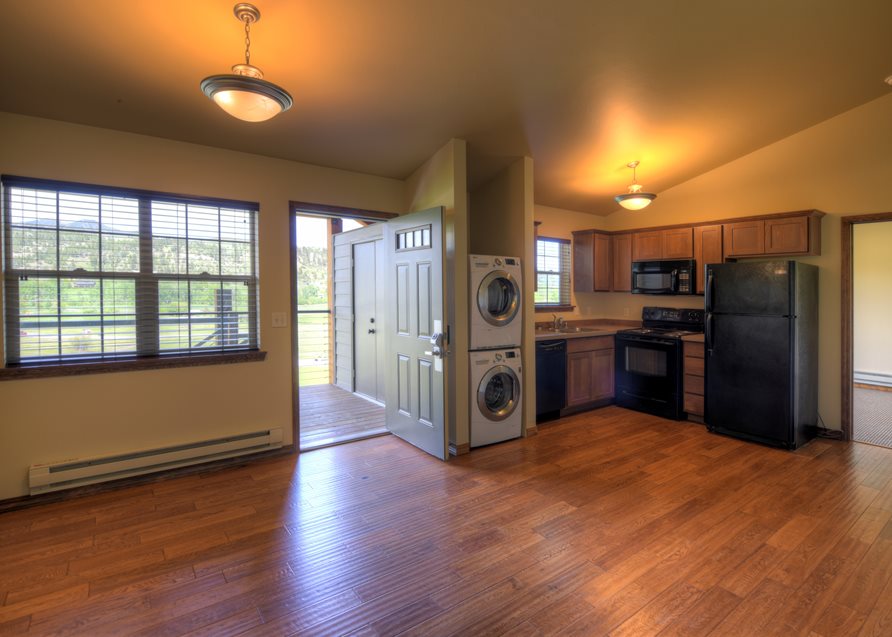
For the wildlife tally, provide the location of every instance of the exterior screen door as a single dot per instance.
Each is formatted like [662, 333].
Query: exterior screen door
[416, 341]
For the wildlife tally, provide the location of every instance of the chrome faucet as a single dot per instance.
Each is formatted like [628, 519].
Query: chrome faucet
[559, 323]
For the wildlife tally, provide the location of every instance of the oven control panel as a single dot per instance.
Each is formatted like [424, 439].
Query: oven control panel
[673, 315]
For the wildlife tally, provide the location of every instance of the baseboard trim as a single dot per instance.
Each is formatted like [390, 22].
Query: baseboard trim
[530, 430]
[28, 501]
[873, 378]
[459, 450]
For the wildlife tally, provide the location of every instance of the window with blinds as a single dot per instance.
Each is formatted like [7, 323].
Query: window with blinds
[95, 273]
[552, 272]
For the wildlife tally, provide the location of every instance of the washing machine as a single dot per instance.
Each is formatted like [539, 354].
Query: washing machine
[496, 396]
[495, 303]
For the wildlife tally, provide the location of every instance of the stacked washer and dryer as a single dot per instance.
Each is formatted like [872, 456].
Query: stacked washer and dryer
[495, 339]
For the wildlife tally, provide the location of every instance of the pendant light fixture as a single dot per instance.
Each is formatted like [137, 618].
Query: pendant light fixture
[245, 94]
[635, 199]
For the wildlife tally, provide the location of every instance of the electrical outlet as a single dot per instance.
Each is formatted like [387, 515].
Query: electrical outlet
[280, 319]
[627, 312]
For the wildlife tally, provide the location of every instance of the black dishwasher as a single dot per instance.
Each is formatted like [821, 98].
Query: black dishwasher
[551, 378]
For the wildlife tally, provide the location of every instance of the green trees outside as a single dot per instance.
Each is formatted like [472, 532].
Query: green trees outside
[67, 309]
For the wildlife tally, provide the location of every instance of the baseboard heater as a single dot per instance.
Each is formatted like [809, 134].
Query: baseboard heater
[67, 474]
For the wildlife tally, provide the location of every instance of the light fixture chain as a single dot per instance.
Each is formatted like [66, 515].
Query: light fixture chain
[247, 41]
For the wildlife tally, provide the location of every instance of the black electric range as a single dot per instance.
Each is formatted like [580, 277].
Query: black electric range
[649, 360]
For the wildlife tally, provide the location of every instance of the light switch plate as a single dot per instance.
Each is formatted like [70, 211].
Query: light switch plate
[280, 319]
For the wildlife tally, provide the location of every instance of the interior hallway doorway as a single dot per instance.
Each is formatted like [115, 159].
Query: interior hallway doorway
[872, 347]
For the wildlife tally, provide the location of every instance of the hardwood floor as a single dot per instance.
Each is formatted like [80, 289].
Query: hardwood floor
[329, 415]
[606, 522]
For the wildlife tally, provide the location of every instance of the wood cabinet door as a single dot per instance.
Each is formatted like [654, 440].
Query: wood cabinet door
[583, 262]
[786, 236]
[602, 374]
[622, 262]
[579, 378]
[678, 243]
[707, 249]
[647, 246]
[744, 238]
[602, 263]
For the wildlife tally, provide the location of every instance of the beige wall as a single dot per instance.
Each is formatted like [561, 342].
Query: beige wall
[501, 218]
[559, 223]
[872, 278]
[442, 181]
[58, 418]
[841, 166]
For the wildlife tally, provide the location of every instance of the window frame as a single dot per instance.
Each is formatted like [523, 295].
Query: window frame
[149, 353]
[564, 273]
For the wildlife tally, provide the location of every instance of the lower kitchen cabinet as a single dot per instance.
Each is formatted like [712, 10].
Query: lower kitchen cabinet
[590, 371]
[693, 379]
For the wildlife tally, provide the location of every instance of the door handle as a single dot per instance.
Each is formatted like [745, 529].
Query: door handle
[371, 331]
[709, 332]
[437, 350]
[708, 290]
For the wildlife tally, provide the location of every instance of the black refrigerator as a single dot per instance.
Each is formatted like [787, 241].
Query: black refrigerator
[762, 351]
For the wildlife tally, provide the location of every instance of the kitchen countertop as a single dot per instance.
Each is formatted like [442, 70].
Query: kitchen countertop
[694, 338]
[599, 329]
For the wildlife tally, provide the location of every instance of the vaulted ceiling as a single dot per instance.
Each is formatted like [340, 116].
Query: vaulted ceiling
[582, 86]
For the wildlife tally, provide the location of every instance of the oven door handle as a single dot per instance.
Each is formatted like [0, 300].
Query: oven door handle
[649, 341]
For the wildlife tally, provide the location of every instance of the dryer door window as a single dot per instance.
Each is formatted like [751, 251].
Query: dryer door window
[498, 394]
[498, 298]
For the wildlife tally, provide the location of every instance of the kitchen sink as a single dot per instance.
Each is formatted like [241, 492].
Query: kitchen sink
[566, 330]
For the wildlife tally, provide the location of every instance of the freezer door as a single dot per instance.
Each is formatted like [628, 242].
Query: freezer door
[749, 288]
[748, 377]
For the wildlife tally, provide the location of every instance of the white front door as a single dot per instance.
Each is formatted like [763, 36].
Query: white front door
[416, 332]
[365, 326]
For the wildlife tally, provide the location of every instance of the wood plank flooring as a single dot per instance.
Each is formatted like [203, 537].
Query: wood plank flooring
[610, 522]
[329, 415]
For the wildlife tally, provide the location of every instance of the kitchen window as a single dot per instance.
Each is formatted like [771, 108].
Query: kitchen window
[552, 273]
[102, 274]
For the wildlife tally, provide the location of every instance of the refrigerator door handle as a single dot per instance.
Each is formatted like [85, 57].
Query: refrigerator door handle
[709, 329]
[709, 284]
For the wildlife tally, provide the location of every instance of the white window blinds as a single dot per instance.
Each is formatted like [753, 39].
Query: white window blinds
[95, 273]
[552, 271]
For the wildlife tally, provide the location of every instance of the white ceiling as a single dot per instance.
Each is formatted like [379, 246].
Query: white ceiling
[582, 86]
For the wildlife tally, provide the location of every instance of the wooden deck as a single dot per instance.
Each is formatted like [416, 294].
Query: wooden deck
[329, 415]
[606, 522]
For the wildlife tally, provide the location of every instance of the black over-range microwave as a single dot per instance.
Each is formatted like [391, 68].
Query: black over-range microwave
[664, 277]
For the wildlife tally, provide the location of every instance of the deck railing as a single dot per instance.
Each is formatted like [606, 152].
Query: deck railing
[313, 347]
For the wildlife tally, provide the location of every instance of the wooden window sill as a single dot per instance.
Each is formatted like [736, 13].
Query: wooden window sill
[50, 370]
[555, 308]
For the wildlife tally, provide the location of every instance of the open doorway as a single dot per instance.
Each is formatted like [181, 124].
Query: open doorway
[867, 350]
[872, 347]
[337, 266]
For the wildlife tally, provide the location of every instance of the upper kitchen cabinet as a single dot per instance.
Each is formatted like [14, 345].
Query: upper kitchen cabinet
[647, 246]
[793, 234]
[678, 243]
[621, 247]
[672, 243]
[707, 249]
[591, 262]
[744, 238]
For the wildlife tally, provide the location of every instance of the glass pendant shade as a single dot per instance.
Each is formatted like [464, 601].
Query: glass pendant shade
[248, 98]
[635, 200]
